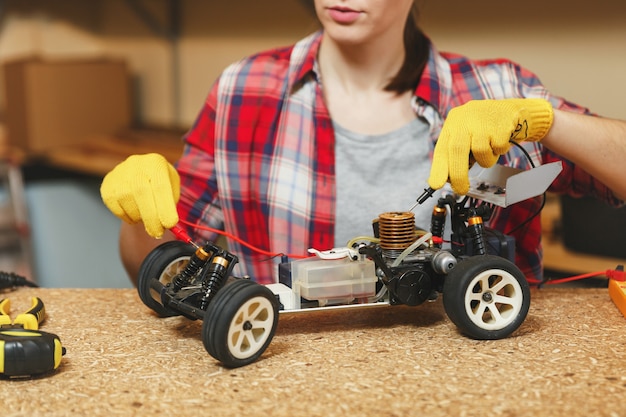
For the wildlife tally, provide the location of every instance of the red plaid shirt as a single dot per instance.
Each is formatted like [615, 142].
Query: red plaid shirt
[259, 161]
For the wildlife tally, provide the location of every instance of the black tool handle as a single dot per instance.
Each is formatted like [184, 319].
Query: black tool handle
[29, 352]
[31, 318]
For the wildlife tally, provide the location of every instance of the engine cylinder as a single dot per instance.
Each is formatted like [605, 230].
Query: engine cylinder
[397, 230]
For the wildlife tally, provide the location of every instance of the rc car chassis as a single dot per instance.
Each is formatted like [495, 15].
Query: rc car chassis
[484, 293]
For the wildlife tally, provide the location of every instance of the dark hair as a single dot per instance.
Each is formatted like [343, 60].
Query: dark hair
[416, 51]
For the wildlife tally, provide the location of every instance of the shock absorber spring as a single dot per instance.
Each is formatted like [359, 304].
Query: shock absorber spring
[214, 278]
[475, 231]
[193, 266]
[397, 231]
[438, 221]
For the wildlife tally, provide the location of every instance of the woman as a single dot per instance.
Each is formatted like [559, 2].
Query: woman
[303, 146]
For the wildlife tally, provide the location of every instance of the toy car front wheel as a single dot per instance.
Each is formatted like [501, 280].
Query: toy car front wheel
[486, 296]
[240, 323]
[158, 269]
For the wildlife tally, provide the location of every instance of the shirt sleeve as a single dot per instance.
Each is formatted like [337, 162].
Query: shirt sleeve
[573, 180]
[199, 200]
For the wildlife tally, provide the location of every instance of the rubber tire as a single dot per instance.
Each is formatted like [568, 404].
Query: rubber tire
[226, 317]
[466, 285]
[162, 264]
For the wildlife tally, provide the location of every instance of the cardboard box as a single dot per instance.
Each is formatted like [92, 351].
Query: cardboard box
[54, 103]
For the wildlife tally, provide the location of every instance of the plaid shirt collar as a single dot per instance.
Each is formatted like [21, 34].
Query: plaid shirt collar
[435, 85]
[434, 88]
[305, 65]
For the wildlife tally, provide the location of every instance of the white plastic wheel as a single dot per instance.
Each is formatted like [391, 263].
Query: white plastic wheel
[240, 322]
[250, 328]
[158, 269]
[486, 296]
[493, 299]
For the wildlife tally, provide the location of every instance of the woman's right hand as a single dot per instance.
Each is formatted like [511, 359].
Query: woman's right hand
[143, 188]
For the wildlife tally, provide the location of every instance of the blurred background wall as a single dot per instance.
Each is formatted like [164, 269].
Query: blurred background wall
[577, 48]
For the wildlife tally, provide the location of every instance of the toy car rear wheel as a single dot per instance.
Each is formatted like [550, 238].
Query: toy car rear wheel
[158, 269]
[486, 297]
[240, 323]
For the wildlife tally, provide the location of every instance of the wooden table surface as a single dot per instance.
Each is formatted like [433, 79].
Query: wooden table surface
[568, 358]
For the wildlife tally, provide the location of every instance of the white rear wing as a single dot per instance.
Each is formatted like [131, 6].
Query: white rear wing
[504, 186]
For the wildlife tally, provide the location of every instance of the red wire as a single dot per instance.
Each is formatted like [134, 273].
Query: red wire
[575, 277]
[246, 244]
[273, 255]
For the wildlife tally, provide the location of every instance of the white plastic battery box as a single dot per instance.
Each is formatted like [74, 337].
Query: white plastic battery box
[285, 294]
[326, 280]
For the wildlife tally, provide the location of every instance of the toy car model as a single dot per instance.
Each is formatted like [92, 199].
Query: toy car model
[484, 294]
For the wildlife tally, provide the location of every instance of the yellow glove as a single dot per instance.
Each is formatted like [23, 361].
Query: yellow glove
[482, 129]
[143, 188]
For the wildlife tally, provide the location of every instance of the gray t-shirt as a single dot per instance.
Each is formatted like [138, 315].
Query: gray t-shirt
[380, 173]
